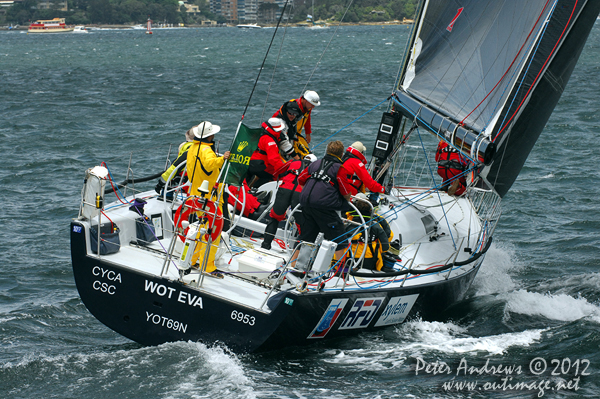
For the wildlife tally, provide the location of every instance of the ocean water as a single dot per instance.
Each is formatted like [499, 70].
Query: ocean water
[69, 102]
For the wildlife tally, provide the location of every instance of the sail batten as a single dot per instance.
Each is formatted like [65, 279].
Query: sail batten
[486, 65]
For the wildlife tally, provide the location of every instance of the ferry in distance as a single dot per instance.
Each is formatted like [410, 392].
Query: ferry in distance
[56, 25]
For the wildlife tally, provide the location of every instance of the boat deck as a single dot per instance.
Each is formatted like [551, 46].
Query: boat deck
[415, 216]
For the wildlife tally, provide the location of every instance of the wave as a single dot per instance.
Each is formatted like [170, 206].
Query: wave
[561, 307]
[186, 369]
[495, 274]
[424, 339]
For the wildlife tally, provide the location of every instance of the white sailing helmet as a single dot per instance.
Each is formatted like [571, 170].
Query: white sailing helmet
[312, 97]
[205, 129]
[310, 157]
[277, 124]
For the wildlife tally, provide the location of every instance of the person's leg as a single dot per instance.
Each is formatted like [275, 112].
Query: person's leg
[309, 232]
[282, 201]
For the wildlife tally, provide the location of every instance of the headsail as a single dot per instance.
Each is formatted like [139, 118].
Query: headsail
[490, 72]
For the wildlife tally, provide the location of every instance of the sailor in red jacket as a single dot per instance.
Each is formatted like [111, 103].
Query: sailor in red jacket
[297, 113]
[288, 195]
[266, 159]
[358, 175]
[451, 164]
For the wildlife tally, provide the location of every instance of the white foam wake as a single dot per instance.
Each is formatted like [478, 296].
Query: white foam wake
[561, 307]
[449, 338]
[495, 273]
[424, 339]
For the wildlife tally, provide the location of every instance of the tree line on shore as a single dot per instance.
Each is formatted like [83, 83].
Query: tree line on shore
[82, 12]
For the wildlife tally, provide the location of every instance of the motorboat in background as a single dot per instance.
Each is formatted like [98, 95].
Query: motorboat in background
[249, 26]
[80, 29]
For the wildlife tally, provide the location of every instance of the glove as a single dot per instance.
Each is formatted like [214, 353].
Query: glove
[160, 185]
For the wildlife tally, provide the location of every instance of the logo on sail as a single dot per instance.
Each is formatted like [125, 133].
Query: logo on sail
[242, 145]
[451, 25]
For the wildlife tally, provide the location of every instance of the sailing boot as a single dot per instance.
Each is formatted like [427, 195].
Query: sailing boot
[270, 232]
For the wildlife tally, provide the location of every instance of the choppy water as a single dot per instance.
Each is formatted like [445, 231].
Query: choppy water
[71, 101]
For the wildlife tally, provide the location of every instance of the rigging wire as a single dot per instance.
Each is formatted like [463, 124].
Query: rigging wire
[276, 64]
[351, 122]
[265, 59]
[326, 47]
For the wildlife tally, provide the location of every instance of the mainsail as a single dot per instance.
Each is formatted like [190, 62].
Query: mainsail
[486, 74]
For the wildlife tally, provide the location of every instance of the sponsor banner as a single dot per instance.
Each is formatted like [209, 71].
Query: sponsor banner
[329, 318]
[242, 148]
[362, 312]
[396, 310]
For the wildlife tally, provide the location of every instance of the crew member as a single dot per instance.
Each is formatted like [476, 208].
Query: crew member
[296, 113]
[451, 164]
[266, 159]
[325, 190]
[378, 239]
[288, 195]
[204, 164]
[358, 175]
[177, 164]
[306, 103]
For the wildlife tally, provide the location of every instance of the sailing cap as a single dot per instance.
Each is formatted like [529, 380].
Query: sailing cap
[293, 108]
[357, 145]
[312, 97]
[204, 130]
[277, 124]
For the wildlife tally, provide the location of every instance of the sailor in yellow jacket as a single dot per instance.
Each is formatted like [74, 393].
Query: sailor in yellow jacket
[204, 164]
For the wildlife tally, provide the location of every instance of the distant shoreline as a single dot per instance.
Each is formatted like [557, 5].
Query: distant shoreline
[297, 25]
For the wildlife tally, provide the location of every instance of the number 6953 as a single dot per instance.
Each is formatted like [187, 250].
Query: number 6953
[243, 317]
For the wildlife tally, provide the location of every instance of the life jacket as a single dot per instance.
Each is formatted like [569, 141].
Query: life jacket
[304, 116]
[267, 131]
[373, 259]
[321, 189]
[181, 156]
[289, 179]
[450, 164]
[292, 125]
[448, 158]
[259, 161]
[353, 153]
[301, 146]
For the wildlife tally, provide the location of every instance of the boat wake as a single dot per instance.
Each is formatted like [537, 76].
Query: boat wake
[498, 270]
[426, 339]
[561, 307]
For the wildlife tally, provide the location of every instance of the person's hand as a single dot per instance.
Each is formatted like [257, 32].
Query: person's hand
[227, 154]
[308, 138]
[159, 186]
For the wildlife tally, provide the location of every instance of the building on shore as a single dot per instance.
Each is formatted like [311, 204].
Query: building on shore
[247, 11]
